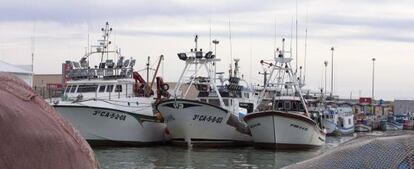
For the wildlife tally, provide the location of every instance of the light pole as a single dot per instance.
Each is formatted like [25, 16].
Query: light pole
[332, 71]
[373, 83]
[326, 66]
[215, 41]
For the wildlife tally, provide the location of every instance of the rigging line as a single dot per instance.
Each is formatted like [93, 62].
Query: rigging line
[231, 47]
[296, 36]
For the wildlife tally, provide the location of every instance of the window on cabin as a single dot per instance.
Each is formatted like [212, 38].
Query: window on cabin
[203, 100]
[246, 95]
[118, 88]
[295, 106]
[101, 88]
[73, 88]
[215, 102]
[109, 88]
[288, 105]
[87, 88]
[226, 102]
[349, 121]
[68, 88]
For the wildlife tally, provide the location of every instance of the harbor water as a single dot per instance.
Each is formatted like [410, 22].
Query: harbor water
[182, 157]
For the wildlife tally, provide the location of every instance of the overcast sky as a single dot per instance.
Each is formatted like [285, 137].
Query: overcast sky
[358, 29]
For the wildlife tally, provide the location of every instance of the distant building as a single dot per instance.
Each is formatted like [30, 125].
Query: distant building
[24, 72]
[404, 106]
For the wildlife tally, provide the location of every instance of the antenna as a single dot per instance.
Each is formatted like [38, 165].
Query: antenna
[231, 47]
[210, 27]
[306, 47]
[296, 35]
[275, 43]
[291, 36]
[33, 46]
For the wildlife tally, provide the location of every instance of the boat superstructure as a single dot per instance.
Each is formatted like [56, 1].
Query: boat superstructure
[215, 116]
[110, 103]
[284, 123]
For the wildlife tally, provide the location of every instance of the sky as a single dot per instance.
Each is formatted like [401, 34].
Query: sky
[58, 30]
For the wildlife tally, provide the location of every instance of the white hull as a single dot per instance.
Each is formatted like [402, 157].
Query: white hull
[279, 130]
[329, 125]
[109, 126]
[362, 128]
[201, 124]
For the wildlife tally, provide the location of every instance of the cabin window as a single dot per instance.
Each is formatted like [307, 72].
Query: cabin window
[349, 121]
[73, 88]
[101, 88]
[226, 102]
[118, 88]
[287, 106]
[203, 100]
[246, 95]
[68, 88]
[215, 102]
[87, 88]
[294, 106]
[109, 88]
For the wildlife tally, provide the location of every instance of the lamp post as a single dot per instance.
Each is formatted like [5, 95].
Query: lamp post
[215, 41]
[373, 84]
[332, 71]
[326, 66]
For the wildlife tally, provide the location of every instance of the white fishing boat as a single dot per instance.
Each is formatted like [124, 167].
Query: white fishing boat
[284, 123]
[338, 120]
[110, 104]
[215, 117]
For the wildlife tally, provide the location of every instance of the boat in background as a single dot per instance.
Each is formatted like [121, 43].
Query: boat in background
[109, 103]
[363, 123]
[215, 117]
[338, 119]
[390, 123]
[408, 123]
[285, 122]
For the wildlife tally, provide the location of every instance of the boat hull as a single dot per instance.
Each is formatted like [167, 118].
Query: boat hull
[281, 130]
[391, 126]
[362, 128]
[200, 124]
[111, 127]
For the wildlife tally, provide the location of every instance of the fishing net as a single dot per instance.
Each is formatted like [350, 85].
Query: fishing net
[391, 150]
[34, 135]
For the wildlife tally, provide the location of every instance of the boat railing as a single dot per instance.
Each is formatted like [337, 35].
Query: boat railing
[94, 91]
[96, 73]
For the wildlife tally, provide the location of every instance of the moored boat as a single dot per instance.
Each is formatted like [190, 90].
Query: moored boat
[110, 104]
[390, 123]
[284, 123]
[215, 116]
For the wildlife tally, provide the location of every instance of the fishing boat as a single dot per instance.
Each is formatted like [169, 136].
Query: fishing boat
[285, 122]
[215, 116]
[363, 123]
[338, 120]
[345, 124]
[390, 123]
[408, 123]
[110, 103]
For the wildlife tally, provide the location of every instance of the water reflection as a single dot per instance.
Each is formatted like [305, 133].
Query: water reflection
[179, 157]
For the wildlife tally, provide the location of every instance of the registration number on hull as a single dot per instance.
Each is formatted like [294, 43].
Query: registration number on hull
[110, 115]
[211, 119]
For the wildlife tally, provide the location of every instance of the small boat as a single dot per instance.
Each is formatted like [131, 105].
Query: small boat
[390, 123]
[408, 122]
[285, 122]
[363, 124]
[338, 120]
[345, 124]
[215, 117]
[110, 103]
